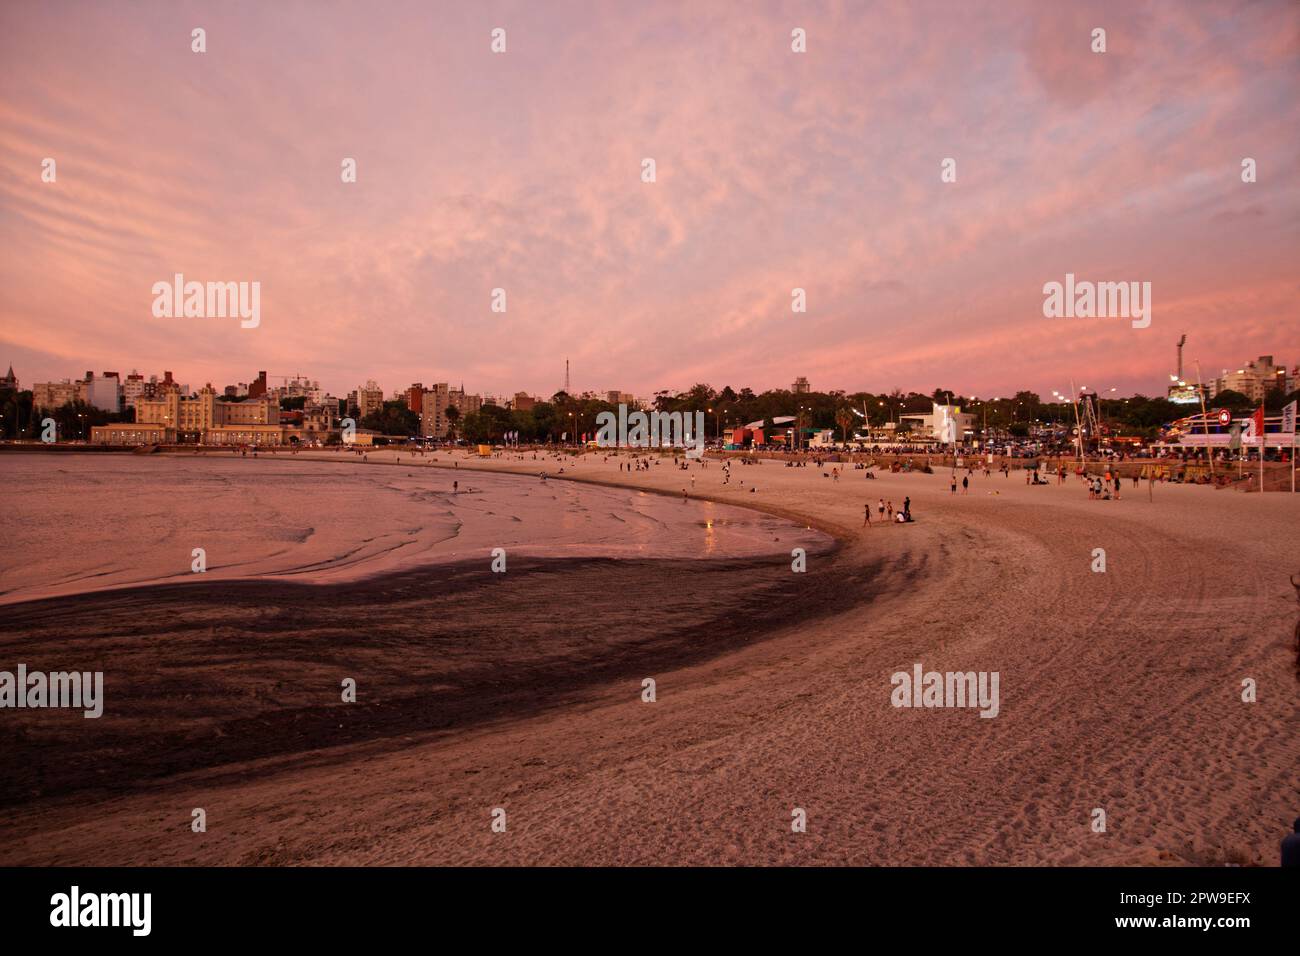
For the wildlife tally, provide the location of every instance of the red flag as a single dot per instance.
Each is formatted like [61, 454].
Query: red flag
[1257, 423]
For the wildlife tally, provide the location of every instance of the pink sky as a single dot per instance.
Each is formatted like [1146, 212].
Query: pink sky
[775, 170]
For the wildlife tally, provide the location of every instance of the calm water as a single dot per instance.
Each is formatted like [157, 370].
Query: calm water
[76, 523]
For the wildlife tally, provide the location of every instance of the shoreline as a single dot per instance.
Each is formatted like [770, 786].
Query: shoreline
[406, 519]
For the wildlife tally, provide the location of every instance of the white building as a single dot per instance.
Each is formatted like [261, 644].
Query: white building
[1254, 379]
[104, 392]
[945, 423]
[132, 389]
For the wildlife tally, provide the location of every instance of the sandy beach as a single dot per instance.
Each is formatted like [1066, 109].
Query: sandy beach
[1119, 690]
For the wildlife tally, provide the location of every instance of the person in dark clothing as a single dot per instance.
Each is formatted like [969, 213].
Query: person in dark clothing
[907, 508]
[1291, 846]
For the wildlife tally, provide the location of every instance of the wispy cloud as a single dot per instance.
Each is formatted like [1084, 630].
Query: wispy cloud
[522, 171]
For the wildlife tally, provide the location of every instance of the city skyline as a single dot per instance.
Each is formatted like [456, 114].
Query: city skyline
[1254, 378]
[225, 166]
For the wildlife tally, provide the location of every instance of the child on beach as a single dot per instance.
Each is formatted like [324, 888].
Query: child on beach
[866, 514]
[882, 509]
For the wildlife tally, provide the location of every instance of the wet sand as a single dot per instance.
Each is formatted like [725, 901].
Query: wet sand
[1119, 690]
[99, 523]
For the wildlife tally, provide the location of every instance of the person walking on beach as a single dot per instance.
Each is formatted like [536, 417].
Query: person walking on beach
[965, 485]
[881, 511]
[907, 508]
[455, 487]
[866, 515]
[891, 511]
[954, 483]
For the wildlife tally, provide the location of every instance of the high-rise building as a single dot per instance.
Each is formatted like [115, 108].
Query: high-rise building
[370, 399]
[54, 395]
[801, 386]
[9, 381]
[256, 388]
[1255, 379]
[465, 404]
[433, 411]
[105, 392]
[132, 389]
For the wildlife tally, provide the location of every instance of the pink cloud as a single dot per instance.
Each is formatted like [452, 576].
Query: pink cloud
[775, 170]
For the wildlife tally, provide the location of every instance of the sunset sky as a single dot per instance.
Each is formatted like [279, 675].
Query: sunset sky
[775, 170]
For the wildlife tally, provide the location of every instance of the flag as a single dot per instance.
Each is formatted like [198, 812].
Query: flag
[1257, 425]
[1288, 419]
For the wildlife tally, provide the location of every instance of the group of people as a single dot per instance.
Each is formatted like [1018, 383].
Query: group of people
[887, 509]
[1100, 488]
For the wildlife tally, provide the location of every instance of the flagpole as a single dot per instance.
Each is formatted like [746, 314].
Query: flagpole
[1205, 416]
[1261, 448]
[1288, 419]
[1078, 427]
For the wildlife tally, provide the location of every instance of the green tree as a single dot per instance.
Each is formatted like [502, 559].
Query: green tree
[1235, 401]
[844, 418]
[393, 419]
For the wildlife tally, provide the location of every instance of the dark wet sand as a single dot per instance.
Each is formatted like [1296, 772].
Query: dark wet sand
[211, 676]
